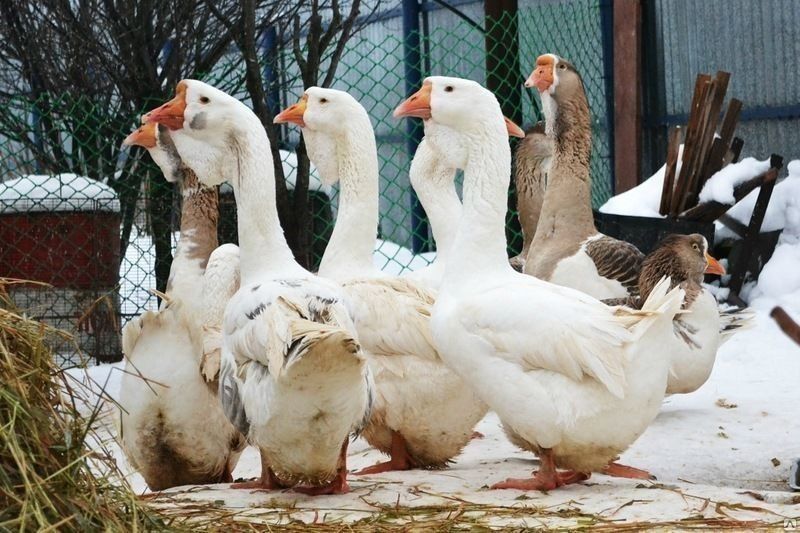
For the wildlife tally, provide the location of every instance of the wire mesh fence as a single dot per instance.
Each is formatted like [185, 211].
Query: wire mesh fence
[96, 222]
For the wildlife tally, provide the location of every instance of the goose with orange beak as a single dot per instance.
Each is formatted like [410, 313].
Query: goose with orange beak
[566, 248]
[433, 180]
[172, 426]
[702, 328]
[574, 380]
[423, 414]
[293, 377]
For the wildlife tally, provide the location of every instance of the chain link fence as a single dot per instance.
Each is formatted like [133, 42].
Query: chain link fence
[81, 214]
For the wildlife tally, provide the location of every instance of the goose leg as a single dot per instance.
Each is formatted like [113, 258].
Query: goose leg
[267, 481]
[547, 478]
[338, 485]
[619, 470]
[400, 458]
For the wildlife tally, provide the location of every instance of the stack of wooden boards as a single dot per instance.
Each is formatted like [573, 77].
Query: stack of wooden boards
[705, 152]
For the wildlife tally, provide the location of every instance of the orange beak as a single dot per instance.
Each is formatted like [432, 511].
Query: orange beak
[542, 75]
[171, 113]
[713, 266]
[145, 136]
[513, 129]
[293, 114]
[417, 105]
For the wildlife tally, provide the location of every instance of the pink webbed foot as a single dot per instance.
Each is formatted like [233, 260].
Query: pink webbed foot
[547, 478]
[625, 471]
[400, 458]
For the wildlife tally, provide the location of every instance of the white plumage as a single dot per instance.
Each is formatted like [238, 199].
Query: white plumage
[423, 413]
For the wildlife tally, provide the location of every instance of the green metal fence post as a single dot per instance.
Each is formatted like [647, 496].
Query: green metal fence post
[412, 65]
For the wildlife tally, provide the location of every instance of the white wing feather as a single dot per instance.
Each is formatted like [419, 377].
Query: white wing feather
[392, 316]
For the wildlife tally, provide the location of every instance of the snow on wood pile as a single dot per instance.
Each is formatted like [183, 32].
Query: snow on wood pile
[719, 187]
[56, 193]
[786, 193]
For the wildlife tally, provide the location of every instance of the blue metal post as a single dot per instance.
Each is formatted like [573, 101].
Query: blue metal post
[269, 42]
[412, 63]
[607, 30]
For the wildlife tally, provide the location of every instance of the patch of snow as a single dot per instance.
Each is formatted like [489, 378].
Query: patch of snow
[137, 276]
[289, 159]
[56, 193]
[779, 281]
[644, 199]
[785, 192]
[719, 187]
[393, 259]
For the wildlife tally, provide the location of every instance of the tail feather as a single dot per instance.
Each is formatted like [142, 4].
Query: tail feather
[661, 306]
[733, 321]
[323, 340]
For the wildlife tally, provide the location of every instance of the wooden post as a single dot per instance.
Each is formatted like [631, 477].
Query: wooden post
[738, 270]
[627, 94]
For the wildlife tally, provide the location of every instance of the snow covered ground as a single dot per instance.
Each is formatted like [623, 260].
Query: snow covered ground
[732, 441]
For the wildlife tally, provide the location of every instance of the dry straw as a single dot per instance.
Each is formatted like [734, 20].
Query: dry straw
[50, 479]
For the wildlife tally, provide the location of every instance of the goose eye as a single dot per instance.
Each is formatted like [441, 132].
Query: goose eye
[562, 66]
[449, 89]
[204, 100]
[697, 248]
[323, 100]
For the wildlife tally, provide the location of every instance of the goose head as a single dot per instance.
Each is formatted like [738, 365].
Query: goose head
[558, 82]
[682, 258]
[331, 120]
[207, 127]
[156, 140]
[456, 112]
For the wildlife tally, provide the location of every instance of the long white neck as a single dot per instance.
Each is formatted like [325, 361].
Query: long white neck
[434, 183]
[480, 244]
[262, 245]
[349, 251]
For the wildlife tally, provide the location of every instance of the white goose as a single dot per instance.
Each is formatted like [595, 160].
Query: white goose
[423, 413]
[575, 380]
[292, 378]
[172, 426]
[433, 182]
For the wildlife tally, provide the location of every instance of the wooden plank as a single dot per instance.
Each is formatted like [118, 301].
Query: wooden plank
[710, 211]
[627, 94]
[730, 120]
[722, 144]
[719, 87]
[732, 156]
[698, 154]
[787, 325]
[734, 225]
[669, 172]
[750, 241]
[700, 88]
